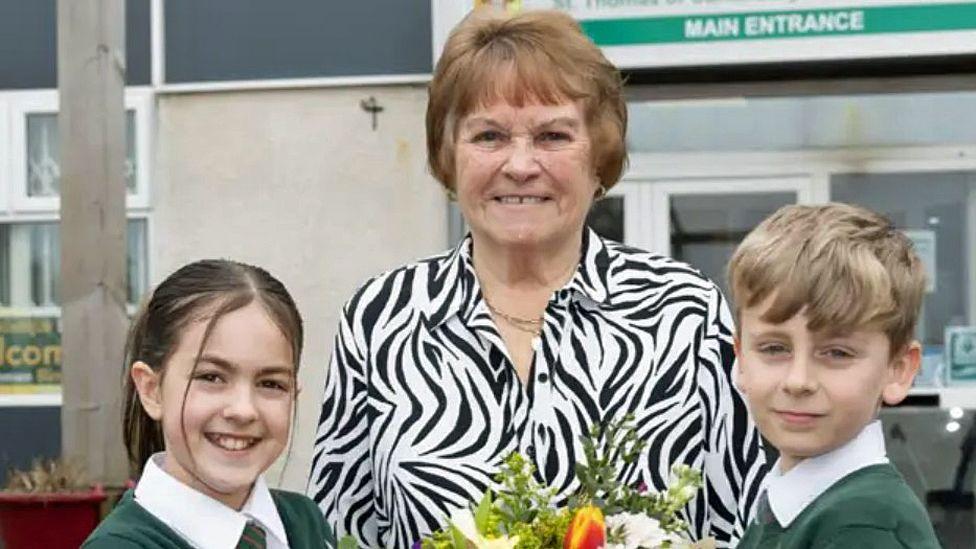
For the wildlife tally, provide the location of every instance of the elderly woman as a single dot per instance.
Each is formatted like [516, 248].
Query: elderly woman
[534, 328]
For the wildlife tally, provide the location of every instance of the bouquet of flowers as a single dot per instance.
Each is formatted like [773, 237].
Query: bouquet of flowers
[520, 514]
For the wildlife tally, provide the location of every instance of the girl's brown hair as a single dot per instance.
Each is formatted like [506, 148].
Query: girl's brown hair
[204, 289]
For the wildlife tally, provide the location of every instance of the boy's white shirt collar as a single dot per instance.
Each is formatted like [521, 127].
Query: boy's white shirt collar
[201, 520]
[791, 493]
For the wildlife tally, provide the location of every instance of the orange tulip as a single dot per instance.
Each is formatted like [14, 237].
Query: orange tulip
[587, 530]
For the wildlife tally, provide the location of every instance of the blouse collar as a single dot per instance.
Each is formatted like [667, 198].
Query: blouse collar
[455, 276]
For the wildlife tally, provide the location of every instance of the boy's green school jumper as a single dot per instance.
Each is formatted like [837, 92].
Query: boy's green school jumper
[131, 526]
[871, 508]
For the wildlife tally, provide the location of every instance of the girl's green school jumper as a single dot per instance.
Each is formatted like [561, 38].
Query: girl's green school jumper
[131, 526]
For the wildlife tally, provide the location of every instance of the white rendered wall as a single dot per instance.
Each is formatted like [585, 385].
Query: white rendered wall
[296, 181]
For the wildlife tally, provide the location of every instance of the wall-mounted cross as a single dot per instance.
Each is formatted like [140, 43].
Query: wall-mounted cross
[371, 106]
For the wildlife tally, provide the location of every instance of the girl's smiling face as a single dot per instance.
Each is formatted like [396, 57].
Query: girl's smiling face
[226, 420]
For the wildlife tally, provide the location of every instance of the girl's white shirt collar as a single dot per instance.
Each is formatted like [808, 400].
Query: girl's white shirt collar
[202, 521]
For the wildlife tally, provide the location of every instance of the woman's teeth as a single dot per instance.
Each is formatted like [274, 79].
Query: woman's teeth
[232, 443]
[520, 199]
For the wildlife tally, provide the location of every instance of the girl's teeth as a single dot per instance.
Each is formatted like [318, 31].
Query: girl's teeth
[232, 443]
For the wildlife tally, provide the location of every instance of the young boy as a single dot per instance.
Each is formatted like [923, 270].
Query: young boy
[827, 298]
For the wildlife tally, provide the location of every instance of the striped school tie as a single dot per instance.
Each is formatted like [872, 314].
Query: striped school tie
[253, 537]
[764, 513]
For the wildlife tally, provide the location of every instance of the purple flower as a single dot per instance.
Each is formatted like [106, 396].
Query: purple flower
[416, 545]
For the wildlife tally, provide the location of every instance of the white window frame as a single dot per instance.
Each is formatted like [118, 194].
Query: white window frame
[6, 154]
[23, 103]
[16, 207]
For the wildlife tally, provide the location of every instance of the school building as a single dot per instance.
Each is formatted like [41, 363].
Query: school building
[290, 134]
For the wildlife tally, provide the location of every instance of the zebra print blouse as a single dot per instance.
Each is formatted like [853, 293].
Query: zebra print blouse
[422, 402]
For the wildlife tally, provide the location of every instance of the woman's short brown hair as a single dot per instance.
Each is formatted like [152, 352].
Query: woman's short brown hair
[533, 56]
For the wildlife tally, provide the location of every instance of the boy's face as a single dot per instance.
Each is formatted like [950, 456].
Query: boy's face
[810, 393]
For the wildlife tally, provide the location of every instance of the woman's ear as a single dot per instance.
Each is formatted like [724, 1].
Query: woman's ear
[149, 386]
[737, 373]
[901, 373]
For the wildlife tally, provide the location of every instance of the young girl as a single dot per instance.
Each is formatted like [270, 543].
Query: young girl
[212, 357]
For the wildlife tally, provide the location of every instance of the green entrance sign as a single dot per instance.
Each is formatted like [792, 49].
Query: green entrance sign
[782, 24]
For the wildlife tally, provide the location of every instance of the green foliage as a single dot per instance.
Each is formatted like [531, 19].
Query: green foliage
[521, 506]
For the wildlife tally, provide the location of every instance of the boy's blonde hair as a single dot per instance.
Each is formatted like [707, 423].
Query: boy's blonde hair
[844, 266]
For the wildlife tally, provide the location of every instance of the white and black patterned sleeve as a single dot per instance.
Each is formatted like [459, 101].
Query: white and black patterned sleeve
[341, 480]
[734, 461]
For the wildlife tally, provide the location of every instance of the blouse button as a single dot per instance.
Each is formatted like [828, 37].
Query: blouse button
[530, 451]
[536, 343]
[543, 378]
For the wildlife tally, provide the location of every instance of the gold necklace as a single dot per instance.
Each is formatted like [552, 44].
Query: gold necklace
[528, 325]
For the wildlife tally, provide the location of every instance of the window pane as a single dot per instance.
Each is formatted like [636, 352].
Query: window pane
[931, 207]
[137, 275]
[43, 154]
[43, 172]
[706, 228]
[45, 263]
[805, 122]
[30, 263]
[607, 218]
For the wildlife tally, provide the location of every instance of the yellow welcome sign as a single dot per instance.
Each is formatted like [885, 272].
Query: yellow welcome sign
[30, 355]
[509, 5]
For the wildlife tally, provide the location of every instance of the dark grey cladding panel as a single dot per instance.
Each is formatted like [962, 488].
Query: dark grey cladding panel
[28, 43]
[28, 432]
[260, 39]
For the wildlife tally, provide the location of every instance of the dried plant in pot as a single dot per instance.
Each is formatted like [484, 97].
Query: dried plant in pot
[50, 505]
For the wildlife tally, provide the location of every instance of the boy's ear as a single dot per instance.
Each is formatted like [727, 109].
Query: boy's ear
[148, 385]
[901, 373]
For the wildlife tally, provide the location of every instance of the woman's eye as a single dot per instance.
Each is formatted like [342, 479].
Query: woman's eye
[488, 136]
[554, 137]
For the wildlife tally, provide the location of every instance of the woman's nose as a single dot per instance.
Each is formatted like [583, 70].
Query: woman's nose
[522, 163]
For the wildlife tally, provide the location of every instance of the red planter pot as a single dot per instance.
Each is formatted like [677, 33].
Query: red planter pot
[51, 521]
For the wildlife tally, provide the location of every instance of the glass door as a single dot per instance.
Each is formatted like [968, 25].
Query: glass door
[701, 221]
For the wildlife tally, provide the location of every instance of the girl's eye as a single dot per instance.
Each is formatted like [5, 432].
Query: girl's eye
[209, 377]
[275, 385]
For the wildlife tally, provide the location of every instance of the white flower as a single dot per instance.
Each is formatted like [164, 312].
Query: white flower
[463, 520]
[640, 530]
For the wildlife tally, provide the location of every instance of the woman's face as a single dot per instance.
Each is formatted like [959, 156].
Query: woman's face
[523, 174]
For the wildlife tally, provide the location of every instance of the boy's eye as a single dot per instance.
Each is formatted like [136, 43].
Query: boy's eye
[838, 353]
[773, 349]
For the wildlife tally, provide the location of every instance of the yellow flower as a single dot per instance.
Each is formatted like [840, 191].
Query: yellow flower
[463, 521]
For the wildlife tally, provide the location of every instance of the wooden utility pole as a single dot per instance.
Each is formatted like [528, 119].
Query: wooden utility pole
[91, 124]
